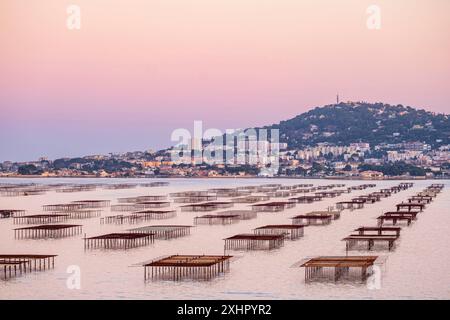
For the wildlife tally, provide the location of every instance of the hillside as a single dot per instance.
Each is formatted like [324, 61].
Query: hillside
[377, 123]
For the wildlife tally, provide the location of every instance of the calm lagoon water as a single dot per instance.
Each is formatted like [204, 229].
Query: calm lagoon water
[416, 269]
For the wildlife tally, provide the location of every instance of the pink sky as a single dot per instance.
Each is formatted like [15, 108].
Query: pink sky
[138, 69]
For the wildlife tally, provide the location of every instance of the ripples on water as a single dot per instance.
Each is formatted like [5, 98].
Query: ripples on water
[417, 268]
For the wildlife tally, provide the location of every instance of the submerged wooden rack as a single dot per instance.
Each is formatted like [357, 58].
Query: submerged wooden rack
[328, 194]
[11, 213]
[352, 205]
[140, 206]
[229, 193]
[81, 214]
[306, 199]
[243, 214]
[418, 199]
[193, 267]
[63, 207]
[119, 240]
[139, 216]
[41, 218]
[154, 184]
[352, 241]
[254, 242]
[142, 199]
[251, 199]
[188, 194]
[93, 204]
[120, 186]
[76, 188]
[336, 214]
[367, 199]
[410, 206]
[121, 219]
[195, 199]
[12, 265]
[48, 231]
[289, 231]
[312, 219]
[280, 194]
[337, 268]
[18, 190]
[395, 219]
[217, 219]
[379, 230]
[164, 231]
[381, 194]
[207, 206]
[273, 206]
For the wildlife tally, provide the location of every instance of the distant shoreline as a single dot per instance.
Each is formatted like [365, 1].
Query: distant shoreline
[245, 177]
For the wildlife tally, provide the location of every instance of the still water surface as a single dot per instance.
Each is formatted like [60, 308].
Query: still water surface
[418, 268]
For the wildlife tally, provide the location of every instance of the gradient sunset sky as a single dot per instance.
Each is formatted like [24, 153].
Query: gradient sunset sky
[138, 69]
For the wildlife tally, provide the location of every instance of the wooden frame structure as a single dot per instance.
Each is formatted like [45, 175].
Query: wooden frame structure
[122, 219]
[418, 199]
[139, 216]
[48, 231]
[273, 206]
[76, 188]
[120, 186]
[353, 240]
[410, 206]
[13, 264]
[304, 185]
[289, 231]
[381, 194]
[339, 268]
[306, 199]
[193, 267]
[11, 213]
[207, 206]
[280, 194]
[312, 219]
[156, 214]
[151, 205]
[254, 242]
[229, 193]
[41, 219]
[164, 231]
[195, 199]
[222, 219]
[367, 199]
[22, 190]
[63, 207]
[251, 199]
[142, 199]
[395, 218]
[82, 214]
[413, 214]
[94, 204]
[379, 230]
[351, 205]
[119, 240]
[298, 191]
[336, 214]
[154, 184]
[329, 194]
[184, 194]
[243, 214]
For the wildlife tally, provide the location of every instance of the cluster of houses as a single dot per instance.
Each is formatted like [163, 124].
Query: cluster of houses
[324, 159]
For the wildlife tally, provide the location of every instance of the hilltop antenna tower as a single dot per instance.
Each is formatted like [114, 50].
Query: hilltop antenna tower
[337, 98]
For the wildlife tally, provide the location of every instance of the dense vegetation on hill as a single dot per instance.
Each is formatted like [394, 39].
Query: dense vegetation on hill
[109, 165]
[345, 123]
[395, 169]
